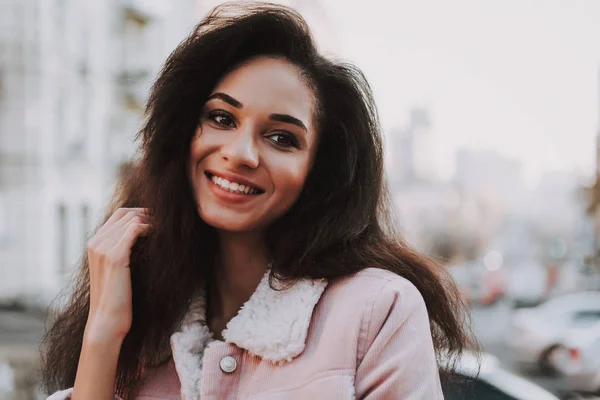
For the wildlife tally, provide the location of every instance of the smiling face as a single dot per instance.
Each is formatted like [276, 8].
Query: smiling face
[254, 146]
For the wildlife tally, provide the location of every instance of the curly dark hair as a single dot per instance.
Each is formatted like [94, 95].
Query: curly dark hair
[340, 224]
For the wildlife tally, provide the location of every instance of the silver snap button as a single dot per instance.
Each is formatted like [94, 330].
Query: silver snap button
[228, 364]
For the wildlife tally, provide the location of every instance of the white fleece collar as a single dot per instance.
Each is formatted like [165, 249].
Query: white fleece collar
[272, 324]
[187, 348]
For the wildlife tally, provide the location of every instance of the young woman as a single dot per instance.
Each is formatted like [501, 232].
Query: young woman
[249, 254]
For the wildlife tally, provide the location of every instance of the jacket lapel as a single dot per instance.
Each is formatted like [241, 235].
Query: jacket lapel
[272, 324]
[187, 348]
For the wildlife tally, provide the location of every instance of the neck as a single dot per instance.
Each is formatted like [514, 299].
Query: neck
[242, 262]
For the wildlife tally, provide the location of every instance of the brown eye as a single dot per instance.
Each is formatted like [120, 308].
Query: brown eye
[222, 118]
[283, 139]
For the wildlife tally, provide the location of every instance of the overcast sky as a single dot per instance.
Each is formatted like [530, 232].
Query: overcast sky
[517, 76]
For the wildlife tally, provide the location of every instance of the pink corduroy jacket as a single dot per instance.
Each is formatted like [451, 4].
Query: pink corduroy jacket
[366, 336]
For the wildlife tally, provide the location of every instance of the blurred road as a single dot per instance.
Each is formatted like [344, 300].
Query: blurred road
[18, 328]
[20, 333]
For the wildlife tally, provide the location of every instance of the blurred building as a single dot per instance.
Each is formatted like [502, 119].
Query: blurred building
[410, 154]
[594, 208]
[439, 218]
[74, 76]
[423, 210]
[554, 202]
[488, 171]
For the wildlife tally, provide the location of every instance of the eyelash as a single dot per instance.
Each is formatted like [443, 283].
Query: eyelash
[213, 117]
[293, 142]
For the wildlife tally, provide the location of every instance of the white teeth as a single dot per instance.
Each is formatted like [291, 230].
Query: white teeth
[233, 186]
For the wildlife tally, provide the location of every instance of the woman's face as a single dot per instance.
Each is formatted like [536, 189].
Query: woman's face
[254, 146]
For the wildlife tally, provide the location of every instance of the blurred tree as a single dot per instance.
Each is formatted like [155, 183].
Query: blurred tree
[452, 244]
[444, 247]
[592, 195]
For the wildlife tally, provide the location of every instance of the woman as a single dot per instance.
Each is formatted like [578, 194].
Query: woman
[248, 254]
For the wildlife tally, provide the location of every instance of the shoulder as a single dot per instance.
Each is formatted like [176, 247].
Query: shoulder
[382, 303]
[380, 287]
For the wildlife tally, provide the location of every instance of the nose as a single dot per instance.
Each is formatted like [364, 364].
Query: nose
[241, 149]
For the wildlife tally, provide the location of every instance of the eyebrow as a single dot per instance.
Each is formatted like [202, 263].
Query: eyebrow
[287, 119]
[226, 98]
[273, 117]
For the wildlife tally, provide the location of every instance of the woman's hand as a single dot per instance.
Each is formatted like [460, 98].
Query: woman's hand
[110, 314]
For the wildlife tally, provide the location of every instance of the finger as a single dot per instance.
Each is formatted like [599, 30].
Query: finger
[102, 244]
[118, 215]
[112, 238]
[131, 234]
[117, 252]
[118, 225]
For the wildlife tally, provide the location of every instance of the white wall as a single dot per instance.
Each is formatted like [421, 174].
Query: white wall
[64, 129]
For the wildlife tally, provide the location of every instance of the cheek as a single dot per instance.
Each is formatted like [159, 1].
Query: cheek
[200, 148]
[196, 145]
[204, 142]
[289, 181]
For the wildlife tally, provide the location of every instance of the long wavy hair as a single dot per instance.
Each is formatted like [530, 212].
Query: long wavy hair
[340, 224]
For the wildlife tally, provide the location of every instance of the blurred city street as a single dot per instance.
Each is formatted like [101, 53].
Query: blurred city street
[18, 328]
[20, 332]
[491, 119]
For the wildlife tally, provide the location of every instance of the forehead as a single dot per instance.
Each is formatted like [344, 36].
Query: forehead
[271, 85]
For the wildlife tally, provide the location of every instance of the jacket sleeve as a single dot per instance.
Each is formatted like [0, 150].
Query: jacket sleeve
[66, 395]
[396, 355]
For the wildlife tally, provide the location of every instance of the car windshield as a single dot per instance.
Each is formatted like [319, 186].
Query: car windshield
[570, 302]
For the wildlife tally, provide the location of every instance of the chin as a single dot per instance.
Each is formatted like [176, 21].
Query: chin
[230, 224]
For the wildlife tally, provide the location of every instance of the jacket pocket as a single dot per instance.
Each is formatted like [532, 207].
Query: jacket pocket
[328, 387]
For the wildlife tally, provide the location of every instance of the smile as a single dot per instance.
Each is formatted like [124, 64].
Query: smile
[233, 187]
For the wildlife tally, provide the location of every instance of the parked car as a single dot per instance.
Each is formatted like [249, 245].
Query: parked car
[527, 284]
[487, 286]
[484, 378]
[570, 278]
[491, 289]
[537, 331]
[577, 357]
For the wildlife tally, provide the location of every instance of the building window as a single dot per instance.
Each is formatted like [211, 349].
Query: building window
[3, 223]
[59, 111]
[85, 219]
[62, 239]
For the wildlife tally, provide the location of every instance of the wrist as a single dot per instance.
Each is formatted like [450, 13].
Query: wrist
[100, 332]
